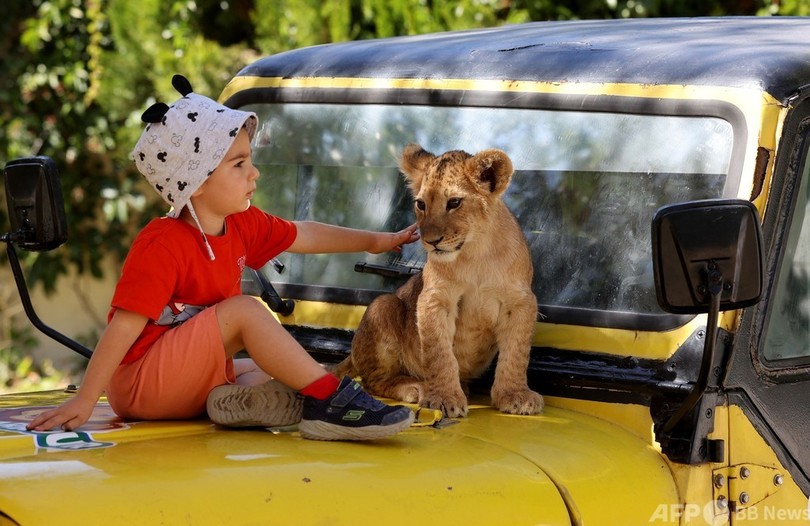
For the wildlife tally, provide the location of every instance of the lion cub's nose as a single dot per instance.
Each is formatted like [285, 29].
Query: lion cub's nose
[435, 242]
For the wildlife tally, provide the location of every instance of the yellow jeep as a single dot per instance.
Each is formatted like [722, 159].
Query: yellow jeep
[662, 181]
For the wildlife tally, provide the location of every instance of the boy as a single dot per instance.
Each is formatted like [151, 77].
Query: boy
[177, 316]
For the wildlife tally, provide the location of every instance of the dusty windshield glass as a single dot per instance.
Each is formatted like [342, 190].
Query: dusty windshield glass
[585, 188]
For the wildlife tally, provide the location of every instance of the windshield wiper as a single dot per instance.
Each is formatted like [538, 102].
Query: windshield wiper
[388, 271]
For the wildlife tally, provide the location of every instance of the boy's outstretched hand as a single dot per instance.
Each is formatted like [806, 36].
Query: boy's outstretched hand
[393, 241]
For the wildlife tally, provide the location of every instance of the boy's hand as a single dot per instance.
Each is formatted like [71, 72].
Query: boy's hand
[68, 416]
[387, 241]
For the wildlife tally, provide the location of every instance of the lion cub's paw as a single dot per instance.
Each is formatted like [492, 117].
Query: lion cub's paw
[521, 402]
[410, 393]
[452, 405]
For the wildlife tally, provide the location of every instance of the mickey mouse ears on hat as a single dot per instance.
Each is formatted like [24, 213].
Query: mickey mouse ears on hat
[157, 111]
[184, 142]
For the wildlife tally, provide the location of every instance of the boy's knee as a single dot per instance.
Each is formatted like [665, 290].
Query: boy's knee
[242, 307]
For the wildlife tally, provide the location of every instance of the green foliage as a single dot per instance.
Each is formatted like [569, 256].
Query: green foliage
[18, 369]
[787, 8]
[53, 110]
[22, 373]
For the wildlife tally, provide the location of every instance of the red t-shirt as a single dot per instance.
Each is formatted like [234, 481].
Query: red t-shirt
[168, 275]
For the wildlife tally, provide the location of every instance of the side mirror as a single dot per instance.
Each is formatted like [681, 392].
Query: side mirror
[707, 248]
[35, 207]
[38, 222]
[707, 257]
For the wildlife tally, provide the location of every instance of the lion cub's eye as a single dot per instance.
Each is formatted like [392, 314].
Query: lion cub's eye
[454, 202]
[420, 204]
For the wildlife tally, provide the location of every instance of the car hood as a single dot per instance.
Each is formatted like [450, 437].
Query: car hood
[561, 467]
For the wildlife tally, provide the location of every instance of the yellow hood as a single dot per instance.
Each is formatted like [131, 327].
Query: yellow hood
[561, 467]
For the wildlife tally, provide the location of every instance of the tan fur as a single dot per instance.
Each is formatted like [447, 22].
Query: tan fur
[472, 301]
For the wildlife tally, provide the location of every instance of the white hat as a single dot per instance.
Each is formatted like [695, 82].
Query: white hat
[183, 143]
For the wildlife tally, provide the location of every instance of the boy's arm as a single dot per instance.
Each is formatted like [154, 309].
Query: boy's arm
[321, 238]
[115, 341]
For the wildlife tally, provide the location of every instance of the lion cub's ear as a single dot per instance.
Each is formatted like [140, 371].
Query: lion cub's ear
[491, 170]
[414, 165]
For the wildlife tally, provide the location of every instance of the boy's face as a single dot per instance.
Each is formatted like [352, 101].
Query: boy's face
[229, 188]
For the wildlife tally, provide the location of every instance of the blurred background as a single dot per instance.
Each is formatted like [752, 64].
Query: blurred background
[75, 76]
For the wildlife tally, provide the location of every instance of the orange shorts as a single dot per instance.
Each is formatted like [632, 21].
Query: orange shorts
[172, 380]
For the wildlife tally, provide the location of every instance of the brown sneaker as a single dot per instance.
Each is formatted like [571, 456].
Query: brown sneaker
[271, 404]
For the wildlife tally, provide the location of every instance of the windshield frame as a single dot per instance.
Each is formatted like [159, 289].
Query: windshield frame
[633, 105]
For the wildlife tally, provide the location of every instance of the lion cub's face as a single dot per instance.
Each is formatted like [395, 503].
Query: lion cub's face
[453, 193]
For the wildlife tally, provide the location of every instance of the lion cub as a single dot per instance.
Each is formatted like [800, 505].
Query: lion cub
[473, 300]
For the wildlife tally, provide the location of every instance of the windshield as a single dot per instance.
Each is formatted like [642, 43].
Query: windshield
[585, 188]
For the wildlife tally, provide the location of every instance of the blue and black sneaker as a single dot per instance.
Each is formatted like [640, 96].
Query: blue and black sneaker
[352, 414]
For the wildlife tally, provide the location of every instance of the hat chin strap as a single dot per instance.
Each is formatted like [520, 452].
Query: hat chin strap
[205, 239]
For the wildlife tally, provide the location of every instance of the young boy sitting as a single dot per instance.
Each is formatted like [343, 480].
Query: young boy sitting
[178, 316]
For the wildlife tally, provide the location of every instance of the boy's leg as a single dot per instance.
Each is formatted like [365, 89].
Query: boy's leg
[345, 413]
[245, 323]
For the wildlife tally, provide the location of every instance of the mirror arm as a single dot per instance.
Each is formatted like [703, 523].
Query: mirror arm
[271, 297]
[714, 286]
[19, 279]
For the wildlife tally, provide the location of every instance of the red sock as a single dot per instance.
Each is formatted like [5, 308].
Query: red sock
[322, 388]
